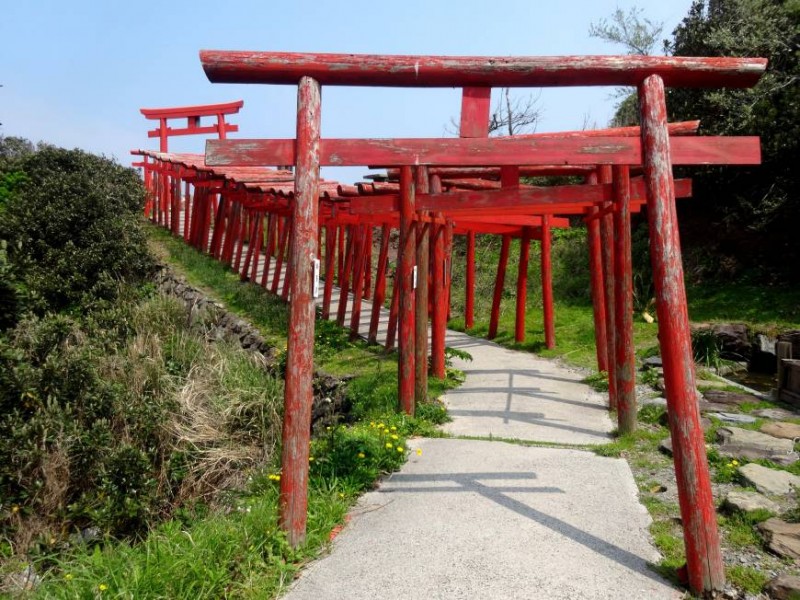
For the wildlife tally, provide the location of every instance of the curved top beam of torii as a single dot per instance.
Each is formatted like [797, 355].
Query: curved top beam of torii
[230, 66]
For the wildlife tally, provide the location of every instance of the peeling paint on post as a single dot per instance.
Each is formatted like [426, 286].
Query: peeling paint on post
[596, 280]
[607, 250]
[405, 341]
[547, 286]
[704, 560]
[499, 282]
[625, 367]
[421, 297]
[298, 396]
[439, 292]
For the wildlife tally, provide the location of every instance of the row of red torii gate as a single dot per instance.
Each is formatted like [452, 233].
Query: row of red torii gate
[241, 203]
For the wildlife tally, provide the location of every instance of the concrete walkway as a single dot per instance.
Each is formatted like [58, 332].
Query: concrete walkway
[483, 519]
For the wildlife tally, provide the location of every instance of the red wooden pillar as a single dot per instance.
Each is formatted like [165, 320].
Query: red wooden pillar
[283, 227]
[257, 246]
[358, 281]
[187, 204]
[243, 224]
[330, 265]
[607, 242]
[704, 560]
[250, 247]
[391, 331]
[439, 291]
[499, 282]
[547, 286]
[448, 275]
[380, 286]
[298, 396]
[596, 285]
[268, 245]
[344, 277]
[406, 295]
[625, 367]
[368, 264]
[522, 285]
[287, 276]
[341, 253]
[421, 308]
[469, 302]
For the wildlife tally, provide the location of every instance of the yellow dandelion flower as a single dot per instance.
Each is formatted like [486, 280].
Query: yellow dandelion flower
[381, 425]
[361, 455]
[735, 463]
[400, 449]
[68, 576]
[372, 423]
[102, 587]
[310, 459]
[14, 509]
[419, 451]
[394, 428]
[388, 445]
[395, 436]
[341, 495]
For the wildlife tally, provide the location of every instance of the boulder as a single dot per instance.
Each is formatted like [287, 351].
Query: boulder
[665, 446]
[748, 502]
[769, 481]
[784, 587]
[736, 442]
[709, 407]
[781, 537]
[762, 357]
[651, 362]
[734, 340]
[782, 429]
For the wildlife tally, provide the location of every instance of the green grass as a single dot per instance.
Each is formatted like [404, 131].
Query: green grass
[236, 549]
[747, 578]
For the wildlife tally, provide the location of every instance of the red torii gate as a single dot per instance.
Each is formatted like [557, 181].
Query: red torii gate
[657, 152]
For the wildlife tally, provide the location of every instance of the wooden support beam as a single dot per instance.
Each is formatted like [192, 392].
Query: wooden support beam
[228, 66]
[499, 282]
[380, 286]
[344, 276]
[698, 514]
[625, 367]
[469, 302]
[438, 309]
[548, 313]
[330, 266]
[358, 281]
[480, 152]
[607, 241]
[298, 396]
[405, 275]
[475, 111]
[421, 298]
[522, 287]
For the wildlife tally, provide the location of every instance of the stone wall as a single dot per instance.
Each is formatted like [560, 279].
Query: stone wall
[330, 399]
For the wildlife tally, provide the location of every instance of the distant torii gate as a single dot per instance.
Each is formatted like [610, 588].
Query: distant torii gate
[656, 151]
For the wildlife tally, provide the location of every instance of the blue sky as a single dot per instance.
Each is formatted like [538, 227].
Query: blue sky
[76, 73]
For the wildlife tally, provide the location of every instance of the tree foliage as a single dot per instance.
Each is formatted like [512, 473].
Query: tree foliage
[753, 211]
[637, 34]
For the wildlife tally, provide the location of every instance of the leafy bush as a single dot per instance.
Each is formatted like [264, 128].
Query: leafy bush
[72, 229]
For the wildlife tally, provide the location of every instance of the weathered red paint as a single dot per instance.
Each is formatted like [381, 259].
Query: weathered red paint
[438, 308]
[499, 282]
[547, 286]
[391, 330]
[469, 303]
[229, 66]
[607, 241]
[698, 515]
[480, 152]
[522, 287]
[421, 297]
[406, 252]
[330, 266]
[283, 230]
[380, 286]
[358, 280]
[597, 291]
[344, 277]
[475, 109]
[300, 344]
[625, 366]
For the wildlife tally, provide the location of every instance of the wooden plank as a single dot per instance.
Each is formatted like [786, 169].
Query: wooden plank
[225, 66]
[481, 152]
[475, 109]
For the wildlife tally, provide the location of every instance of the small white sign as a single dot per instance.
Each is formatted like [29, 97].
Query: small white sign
[315, 289]
[414, 278]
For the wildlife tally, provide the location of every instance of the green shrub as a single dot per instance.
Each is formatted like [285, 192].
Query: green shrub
[73, 229]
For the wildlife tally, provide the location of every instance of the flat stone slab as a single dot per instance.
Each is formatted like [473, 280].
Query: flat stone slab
[727, 417]
[789, 431]
[478, 519]
[769, 481]
[736, 442]
[748, 502]
[730, 398]
[782, 538]
[775, 413]
[516, 395]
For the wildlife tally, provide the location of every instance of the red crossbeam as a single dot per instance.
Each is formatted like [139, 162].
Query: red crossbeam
[230, 66]
[480, 152]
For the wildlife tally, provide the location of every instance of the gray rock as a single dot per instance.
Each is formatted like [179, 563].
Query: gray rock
[658, 401]
[782, 538]
[748, 502]
[736, 442]
[665, 446]
[781, 429]
[775, 413]
[709, 407]
[769, 481]
[23, 581]
[727, 417]
[734, 340]
[730, 398]
[784, 587]
[651, 362]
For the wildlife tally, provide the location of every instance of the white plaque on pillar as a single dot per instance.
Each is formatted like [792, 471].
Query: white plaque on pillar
[414, 278]
[315, 288]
